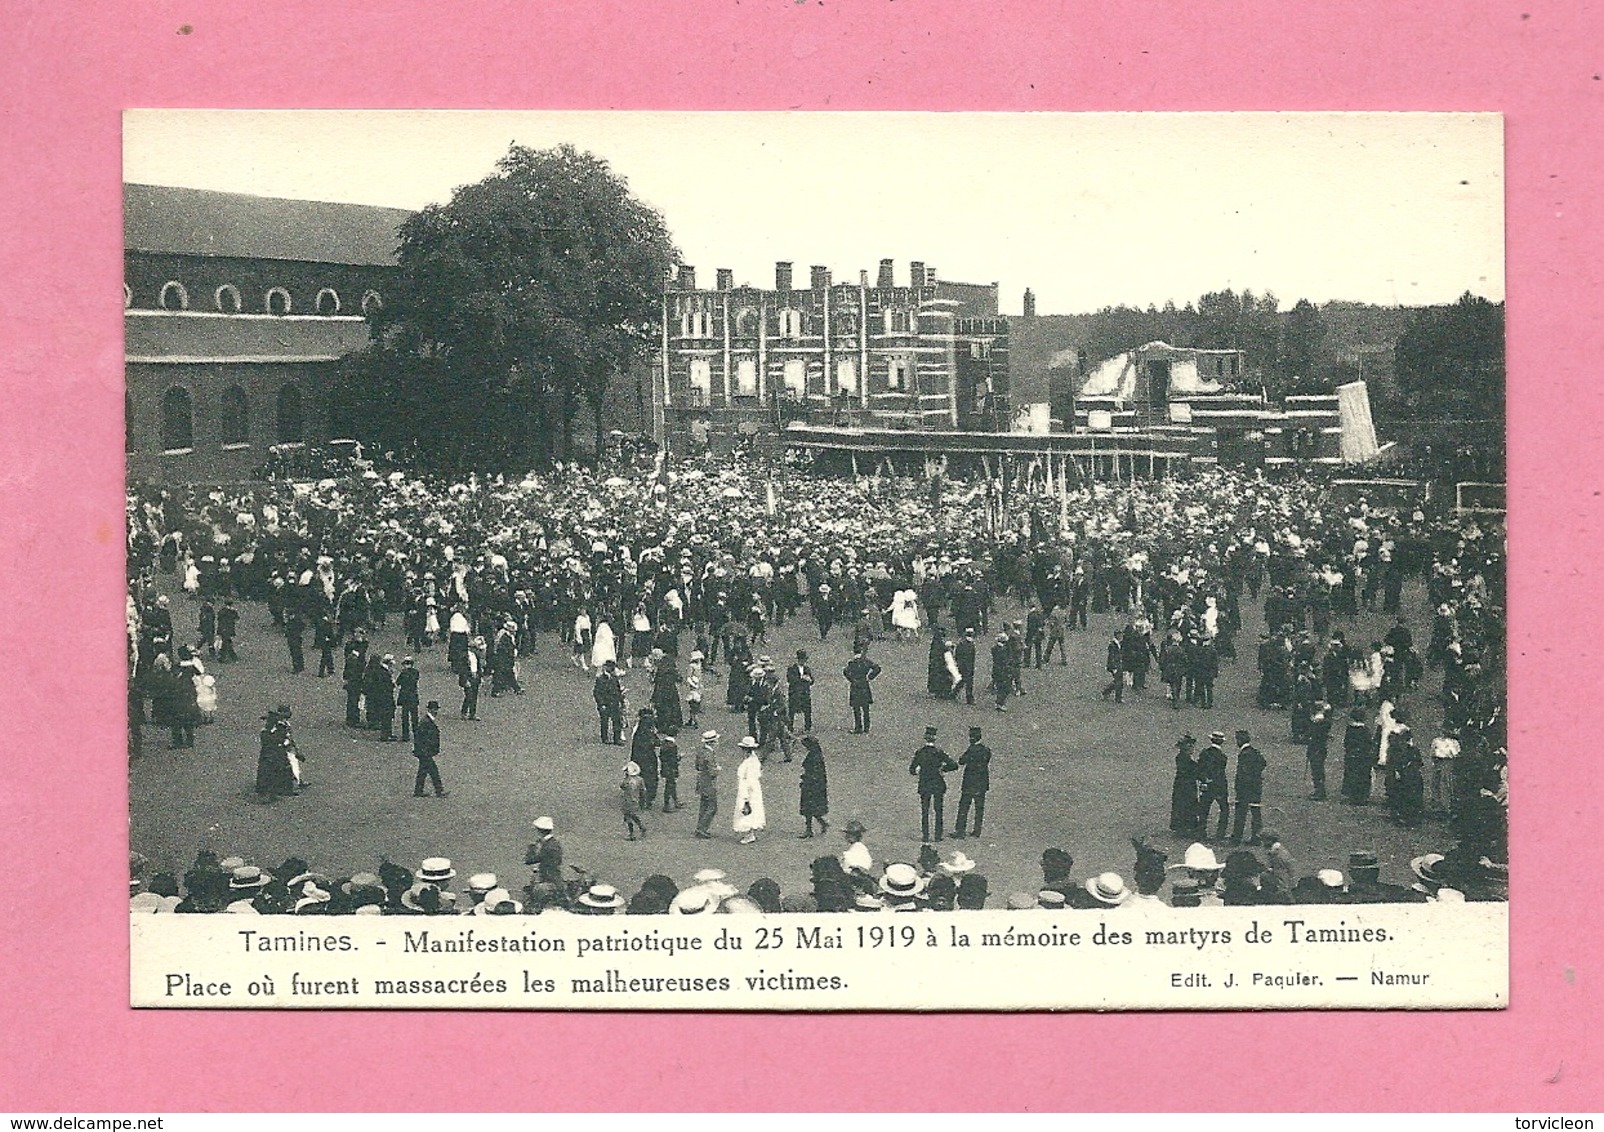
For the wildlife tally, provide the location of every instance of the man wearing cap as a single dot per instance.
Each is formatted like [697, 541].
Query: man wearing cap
[976, 763]
[406, 696]
[931, 764]
[425, 748]
[1250, 764]
[1211, 785]
[707, 769]
[546, 854]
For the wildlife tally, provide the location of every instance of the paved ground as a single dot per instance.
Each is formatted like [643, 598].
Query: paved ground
[1070, 770]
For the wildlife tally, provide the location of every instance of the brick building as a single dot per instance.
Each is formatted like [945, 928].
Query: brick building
[929, 355]
[236, 310]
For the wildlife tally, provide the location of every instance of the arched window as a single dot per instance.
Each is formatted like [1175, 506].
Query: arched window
[174, 297]
[234, 414]
[289, 415]
[128, 422]
[226, 299]
[328, 301]
[372, 303]
[178, 421]
[128, 296]
[276, 301]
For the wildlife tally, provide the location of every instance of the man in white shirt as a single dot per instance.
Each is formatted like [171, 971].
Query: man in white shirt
[1444, 750]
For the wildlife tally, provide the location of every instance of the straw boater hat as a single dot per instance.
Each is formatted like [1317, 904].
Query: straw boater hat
[147, 902]
[544, 824]
[498, 902]
[710, 737]
[957, 865]
[1426, 867]
[1200, 858]
[748, 743]
[1330, 878]
[362, 881]
[1019, 901]
[692, 901]
[436, 870]
[312, 898]
[248, 878]
[1051, 899]
[631, 770]
[482, 883]
[602, 897]
[902, 880]
[868, 902]
[1108, 888]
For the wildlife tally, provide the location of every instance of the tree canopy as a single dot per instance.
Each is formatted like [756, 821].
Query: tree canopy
[517, 303]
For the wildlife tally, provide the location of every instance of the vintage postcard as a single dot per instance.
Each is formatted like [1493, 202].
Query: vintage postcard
[878, 560]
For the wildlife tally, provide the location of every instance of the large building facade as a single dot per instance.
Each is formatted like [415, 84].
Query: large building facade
[236, 311]
[927, 355]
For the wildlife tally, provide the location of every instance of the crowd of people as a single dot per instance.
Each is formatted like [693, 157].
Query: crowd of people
[705, 559]
[848, 881]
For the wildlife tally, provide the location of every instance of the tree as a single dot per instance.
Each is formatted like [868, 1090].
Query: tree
[1450, 372]
[1303, 334]
[518, 301]
[1450, 361]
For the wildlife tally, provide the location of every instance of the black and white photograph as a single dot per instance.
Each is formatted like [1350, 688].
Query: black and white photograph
[1063, 526]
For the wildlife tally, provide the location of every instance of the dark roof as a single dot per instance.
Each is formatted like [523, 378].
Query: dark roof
[174, 221]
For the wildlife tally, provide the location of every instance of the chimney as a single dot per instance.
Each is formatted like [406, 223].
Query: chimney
[726, 279]
[863, 278]
[820, 278]
[916, 274]
[782, 276]
[1030, 303]
[930, 275]
[886, 279]
[687, 277]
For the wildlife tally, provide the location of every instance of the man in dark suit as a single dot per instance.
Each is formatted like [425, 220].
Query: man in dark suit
[931, 764]
[546, 856]
[860, 672]
[227, 628]
[1211, 785]
[406, 696]
[976, 763]
[295, 637]
[1250, 764]
[356, 666]
[799, 691]
[425, 748]
[1115, 665]
[608, 692]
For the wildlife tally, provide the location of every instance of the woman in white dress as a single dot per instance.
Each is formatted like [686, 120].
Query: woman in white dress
[749, 815]
[604, 646]
[905, 613]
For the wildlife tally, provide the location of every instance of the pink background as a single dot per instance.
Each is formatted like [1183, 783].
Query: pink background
[67, 1042]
